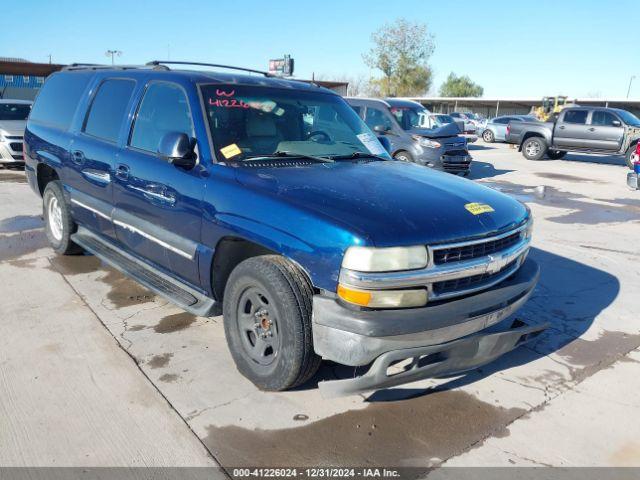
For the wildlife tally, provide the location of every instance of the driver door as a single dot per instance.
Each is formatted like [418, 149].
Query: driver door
[158, 206]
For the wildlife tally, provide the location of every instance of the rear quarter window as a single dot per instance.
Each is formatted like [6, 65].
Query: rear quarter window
[58, 100]
[108, 109]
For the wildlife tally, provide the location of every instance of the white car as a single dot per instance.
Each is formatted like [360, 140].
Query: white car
[13, 120]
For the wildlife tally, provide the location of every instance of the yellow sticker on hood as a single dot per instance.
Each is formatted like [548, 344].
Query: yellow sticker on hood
[478, 208]
[230, 151]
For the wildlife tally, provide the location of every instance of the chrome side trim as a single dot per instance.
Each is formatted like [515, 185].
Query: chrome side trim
[91, 209]
[434, 273]
[144, 234]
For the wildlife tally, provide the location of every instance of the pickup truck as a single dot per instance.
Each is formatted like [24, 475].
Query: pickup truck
[608, 131]
[271, 201]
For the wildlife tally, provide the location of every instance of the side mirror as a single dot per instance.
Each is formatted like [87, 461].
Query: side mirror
[616, 123]
[381, 129]
[178, 149]
[386, 143]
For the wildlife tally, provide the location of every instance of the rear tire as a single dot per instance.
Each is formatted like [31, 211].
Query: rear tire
[488, 136]
[267, 321]
[59, 225]
[534, 148]
[403, 156]
[556, 154]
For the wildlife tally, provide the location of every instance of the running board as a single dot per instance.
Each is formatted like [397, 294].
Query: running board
[173, 290]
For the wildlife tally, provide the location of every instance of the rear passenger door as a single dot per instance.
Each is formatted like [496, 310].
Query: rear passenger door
[572, 130]
[158, 206]
[94, 151]
[606, 130]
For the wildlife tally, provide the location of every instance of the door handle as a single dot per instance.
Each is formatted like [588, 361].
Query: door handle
[77, 157]
[122, 171]
[592, 129]
[561, 127]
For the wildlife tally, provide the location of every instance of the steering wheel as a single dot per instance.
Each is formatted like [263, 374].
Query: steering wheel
[319, 133]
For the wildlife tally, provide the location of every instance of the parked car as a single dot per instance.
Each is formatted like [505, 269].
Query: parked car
[400, 121]
[272, 199]
[13, 119]
[437, 120]
[607, 131]
[469, 123]
[496, 129]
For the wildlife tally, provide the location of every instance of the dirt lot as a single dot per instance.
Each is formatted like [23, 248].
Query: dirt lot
[97, 371]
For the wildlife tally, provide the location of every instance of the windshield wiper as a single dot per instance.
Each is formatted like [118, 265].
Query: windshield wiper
[282, 154]
[355, 155]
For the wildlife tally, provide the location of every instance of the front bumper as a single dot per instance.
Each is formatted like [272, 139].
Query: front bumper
[448, 330]
[11, 152]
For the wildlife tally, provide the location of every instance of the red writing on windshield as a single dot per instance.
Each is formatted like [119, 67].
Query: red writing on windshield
[222, 93]
[228, 103]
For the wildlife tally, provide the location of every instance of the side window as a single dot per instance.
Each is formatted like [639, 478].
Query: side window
[375, 117]
[164, 108]
[576, 116]
[357, 109]
[502, 121]
[108, 109]
[605, 119]
[58, 100]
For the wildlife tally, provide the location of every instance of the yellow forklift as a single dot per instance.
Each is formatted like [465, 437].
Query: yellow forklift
[551, 107]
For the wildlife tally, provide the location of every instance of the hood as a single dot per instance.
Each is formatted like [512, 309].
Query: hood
[448, 130]
[390, 203]
[13, 127]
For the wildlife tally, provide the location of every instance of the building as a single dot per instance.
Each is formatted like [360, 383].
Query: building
[492, 107]
[21, 79]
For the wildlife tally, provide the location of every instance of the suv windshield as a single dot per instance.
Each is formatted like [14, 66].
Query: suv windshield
[14, 111]
[629, 118]
[255, 122]
[408, 117]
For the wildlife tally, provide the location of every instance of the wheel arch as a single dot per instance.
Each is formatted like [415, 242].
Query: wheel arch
[230, 251]
[44, 174]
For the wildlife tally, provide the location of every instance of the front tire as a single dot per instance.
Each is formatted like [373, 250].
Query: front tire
[267, 321]
[59, 225]
[488, 136]
[556, 154]
[534, 148]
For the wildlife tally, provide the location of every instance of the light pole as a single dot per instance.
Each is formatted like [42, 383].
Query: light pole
[112, 54]
[630, 82]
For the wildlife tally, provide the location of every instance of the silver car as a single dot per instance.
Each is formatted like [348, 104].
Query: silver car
[13, 120]
[496, 128]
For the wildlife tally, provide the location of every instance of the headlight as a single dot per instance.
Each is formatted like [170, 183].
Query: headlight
[371, 259]
[383, 298]
[425, 142]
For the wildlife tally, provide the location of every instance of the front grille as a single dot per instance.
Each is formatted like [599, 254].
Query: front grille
[468, 252]
[16, 146]
[466, 283]
[17, 157]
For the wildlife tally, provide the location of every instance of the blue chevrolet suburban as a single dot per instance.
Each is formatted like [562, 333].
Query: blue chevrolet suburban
[271, 201]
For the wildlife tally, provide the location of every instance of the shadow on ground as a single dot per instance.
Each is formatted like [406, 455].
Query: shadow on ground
[601, 159]
[485, 170]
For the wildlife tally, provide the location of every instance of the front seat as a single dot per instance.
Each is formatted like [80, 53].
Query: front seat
[262, 133]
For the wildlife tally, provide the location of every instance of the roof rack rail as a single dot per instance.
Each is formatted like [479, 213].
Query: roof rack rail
[175, 62]
[99, 66]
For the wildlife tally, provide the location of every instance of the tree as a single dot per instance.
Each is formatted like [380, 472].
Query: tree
[401, 51]
[461, 86]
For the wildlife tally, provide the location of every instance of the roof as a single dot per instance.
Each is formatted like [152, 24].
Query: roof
[367, 99]
[200, 76]
[401, 102]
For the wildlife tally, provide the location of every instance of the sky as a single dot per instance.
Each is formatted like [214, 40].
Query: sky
[580, 48]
